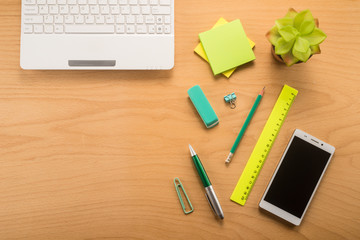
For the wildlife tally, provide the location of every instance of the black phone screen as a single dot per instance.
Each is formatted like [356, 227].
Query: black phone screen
[297, 177]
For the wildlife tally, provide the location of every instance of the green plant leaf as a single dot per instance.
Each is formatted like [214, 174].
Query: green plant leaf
[316, 37]
[291, 13]
[282, 46]
[289, 59]
[301, 17]
[273, 35]
[282, 22]
[300, 55]
[288, 33]
[315, 49]
[307, 27]
[301, 45]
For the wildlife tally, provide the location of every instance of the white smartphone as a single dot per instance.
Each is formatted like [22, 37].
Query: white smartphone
[297, 177]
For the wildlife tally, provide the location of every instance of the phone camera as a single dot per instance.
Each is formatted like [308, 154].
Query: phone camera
[322, 144]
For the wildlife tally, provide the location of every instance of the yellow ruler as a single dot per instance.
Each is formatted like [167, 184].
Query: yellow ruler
[263, 145]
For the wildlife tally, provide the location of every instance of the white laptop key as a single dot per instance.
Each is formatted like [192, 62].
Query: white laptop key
[31, 9]
[30, 2]
[53, 9]
[84, 9]
[133, 2]
[110, 19]
[38, 28]
[149, 19]
[33, 19]
[160, 10]
[115, 10]
[90, 19]
[58, 28]
[130, 28]
[104, 10]
[141, 29]
[49, 28]
[151, 29]
[89, 28]
[154, 2]
[159, 29]
[130, 19]
[159, 19]
[43, 9]
[74, 9]
[135, 10]
[120, 29]
[79, 19]
[125, 10]
[69, 19]
[99, 19]
[48, 19]
[103, 2]
[95, 9]
[64, 9]
[139, 19]
[59, 19]
[167, 29]
[165, 2]
[143, 2]
[120, 19]
[145, 10]
[28, 28]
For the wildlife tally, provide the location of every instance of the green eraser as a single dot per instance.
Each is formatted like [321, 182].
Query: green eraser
[203, 106]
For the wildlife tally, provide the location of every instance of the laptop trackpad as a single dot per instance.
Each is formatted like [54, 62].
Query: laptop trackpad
[92, 63]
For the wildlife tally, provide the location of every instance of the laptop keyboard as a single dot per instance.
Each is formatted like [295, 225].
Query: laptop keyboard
[97, 16]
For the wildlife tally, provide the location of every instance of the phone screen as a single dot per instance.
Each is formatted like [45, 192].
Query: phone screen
[297, 177]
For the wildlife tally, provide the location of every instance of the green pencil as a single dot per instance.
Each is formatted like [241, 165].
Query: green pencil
[246, 123]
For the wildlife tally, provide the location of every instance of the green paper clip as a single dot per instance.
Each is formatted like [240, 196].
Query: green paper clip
[178, 186]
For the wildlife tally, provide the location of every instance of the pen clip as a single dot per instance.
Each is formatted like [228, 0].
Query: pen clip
[178, 187]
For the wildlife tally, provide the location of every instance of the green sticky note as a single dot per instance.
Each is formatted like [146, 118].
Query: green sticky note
[226, 46]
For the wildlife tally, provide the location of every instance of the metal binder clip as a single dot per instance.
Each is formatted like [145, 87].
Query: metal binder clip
[231, 98]
[178, 186]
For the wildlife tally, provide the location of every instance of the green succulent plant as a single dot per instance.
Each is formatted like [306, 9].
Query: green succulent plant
[296, 36]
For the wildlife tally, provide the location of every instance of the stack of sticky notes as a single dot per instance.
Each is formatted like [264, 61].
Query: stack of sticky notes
[225, 47]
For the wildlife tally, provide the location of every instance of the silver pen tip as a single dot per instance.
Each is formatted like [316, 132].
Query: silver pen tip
[192, 152]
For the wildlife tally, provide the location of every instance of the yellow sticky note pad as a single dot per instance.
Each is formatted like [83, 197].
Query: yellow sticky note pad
[201, 52]
[225, 47]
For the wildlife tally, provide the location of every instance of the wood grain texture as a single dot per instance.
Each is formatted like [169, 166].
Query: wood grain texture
[92, 154]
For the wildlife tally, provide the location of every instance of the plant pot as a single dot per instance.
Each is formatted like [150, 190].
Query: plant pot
[278, 57]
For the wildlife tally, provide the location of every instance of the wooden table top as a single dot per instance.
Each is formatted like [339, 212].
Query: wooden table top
[93, 154]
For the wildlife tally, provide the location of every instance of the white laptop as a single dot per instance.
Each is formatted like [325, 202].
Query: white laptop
[97, 34]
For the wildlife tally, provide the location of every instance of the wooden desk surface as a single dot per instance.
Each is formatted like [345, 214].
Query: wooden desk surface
[93, 154]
